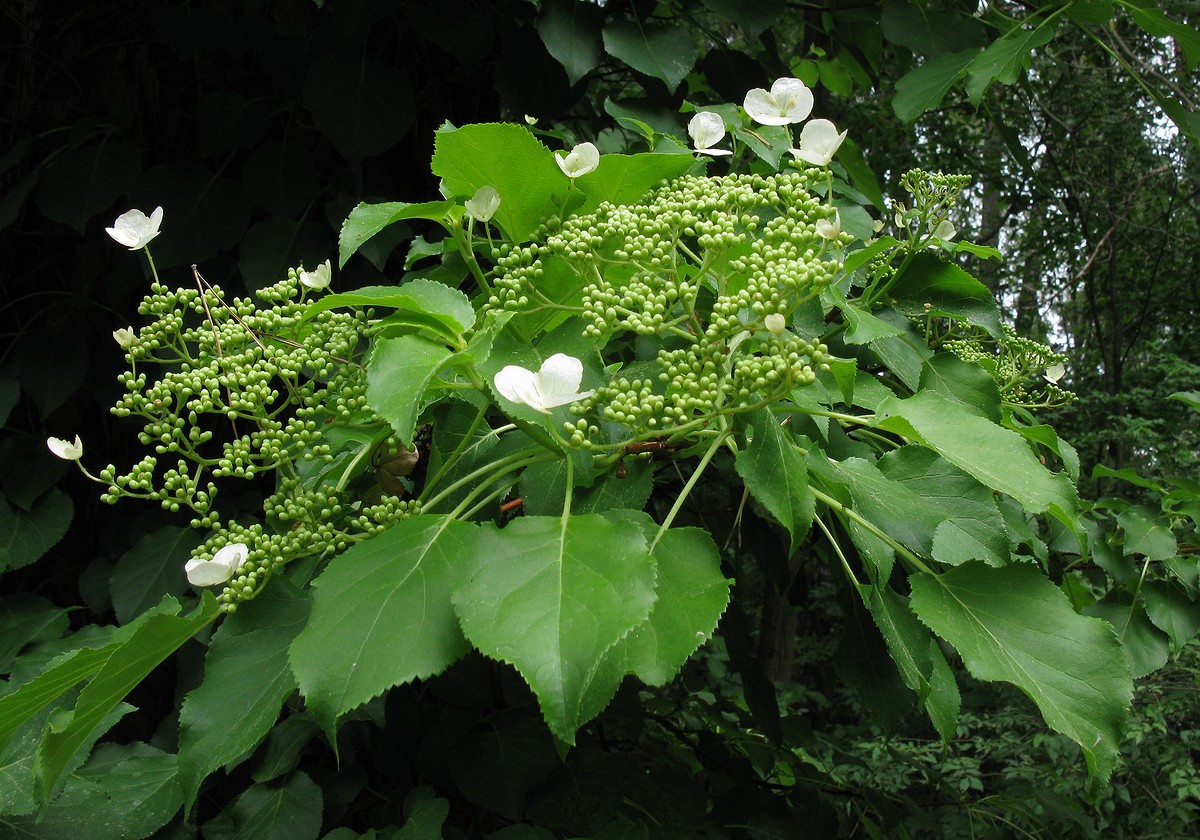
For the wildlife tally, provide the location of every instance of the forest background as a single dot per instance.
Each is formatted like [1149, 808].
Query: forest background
[258, 125]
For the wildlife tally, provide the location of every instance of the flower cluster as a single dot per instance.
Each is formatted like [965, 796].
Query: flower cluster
[708, 271]
[1027, 372]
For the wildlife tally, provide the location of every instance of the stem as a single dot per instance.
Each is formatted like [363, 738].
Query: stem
[458, 450]
[913, 560]
[687, 488]
[497, 468]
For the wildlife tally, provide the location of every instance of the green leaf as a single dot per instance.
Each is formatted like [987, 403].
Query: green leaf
[399, 372]
[571, 32]
[1005, 58]
[551, 596]
[1013, 625]
[425, 303]
[776, 475]
[1144, 644]
[291, 811]
[151, 569]
[366, 220]
[952, 292]
[929, 29]
[362, 105]
[864, 326]
[964, 382]
[1090, 11]
[381, 616]
[1047, 437]
[997, 457]
[81, 182]
[1145, 536]
[141, 782]
[246, 680]
[623, 179]
[1169, 607]
[751, 16]
[25, 537]
[664, 52]
[692, 596]
[924, 88]
[425, 814]
[24, 620]
[513, 162]
[127, 664]
[1151, 19]
[921, 662]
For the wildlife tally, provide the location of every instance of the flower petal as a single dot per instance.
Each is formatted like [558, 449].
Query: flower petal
[65, 449]
[581, 160]
[516, 384]
[558, 380]
[820, 139]
[484, 204]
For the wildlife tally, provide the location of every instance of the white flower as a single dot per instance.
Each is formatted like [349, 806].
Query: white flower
[580, 161]
[819, 141]
[775, 323]
[944, 230]
[483, 205]
[788, 101]
[134, 230]
[1055, 373]
[219, 569]
[124, 336]
[530, 120]
[830, 229]
[706, 130]
[557, 383]
[319, 278]
[65, 449]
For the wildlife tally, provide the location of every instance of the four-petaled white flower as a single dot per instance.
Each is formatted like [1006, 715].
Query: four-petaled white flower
[944, 230]
[65, 449]
[134, 230]
[124, 336]
[219, 569]
[788, 101]
[484, 204]
[819, 141]
[1055, 373]
[581, 160]
[319, 278]
[706, 130]
[557, 383]
[775, 323]
[830, 229]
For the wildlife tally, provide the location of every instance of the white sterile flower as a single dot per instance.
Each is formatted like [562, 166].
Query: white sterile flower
[219, 569]
[530, 120]
[944, 230]
[65, 449]
[788, 101]
[581, 160]
[483, 205]
[555, 384]
[819, 142]
[830, 229]
[319, 278]
[706, 130]
[1055, 373]
[134, 230]
[124, 336]
[775, 323]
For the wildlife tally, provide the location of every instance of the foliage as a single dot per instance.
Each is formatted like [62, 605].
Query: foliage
[387, 486]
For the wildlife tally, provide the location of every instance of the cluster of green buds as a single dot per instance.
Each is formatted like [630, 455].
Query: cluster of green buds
[934, 195]
[712, 269]
[1027, 372]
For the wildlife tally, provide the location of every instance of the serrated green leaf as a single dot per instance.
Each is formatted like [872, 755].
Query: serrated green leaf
[1151, 19]
[1144, 644]
[291, 811]
[571, 32]
[952, 293]
[25, 619]
[1013, 625]
[1005, 58]
[151, 569]
[140, 781]
[751, 16]
[776, 475]
[923, 88]
[128, 662]
[366, 220]
[381, 615]
[929, 29]
[1047, 437]
[551, 596]
[664, 52]
[995, 456]
[513, 162]
[363, 105]
[25, 537]
[246, 680]
[1169, 607]
[399, 372]
[427, 303]
[1144, 536]
[963, 382]
[425, 814]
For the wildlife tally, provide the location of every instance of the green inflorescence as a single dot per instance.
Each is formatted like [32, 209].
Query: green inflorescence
[700, 265]
[246, 388]
[1019, 366]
